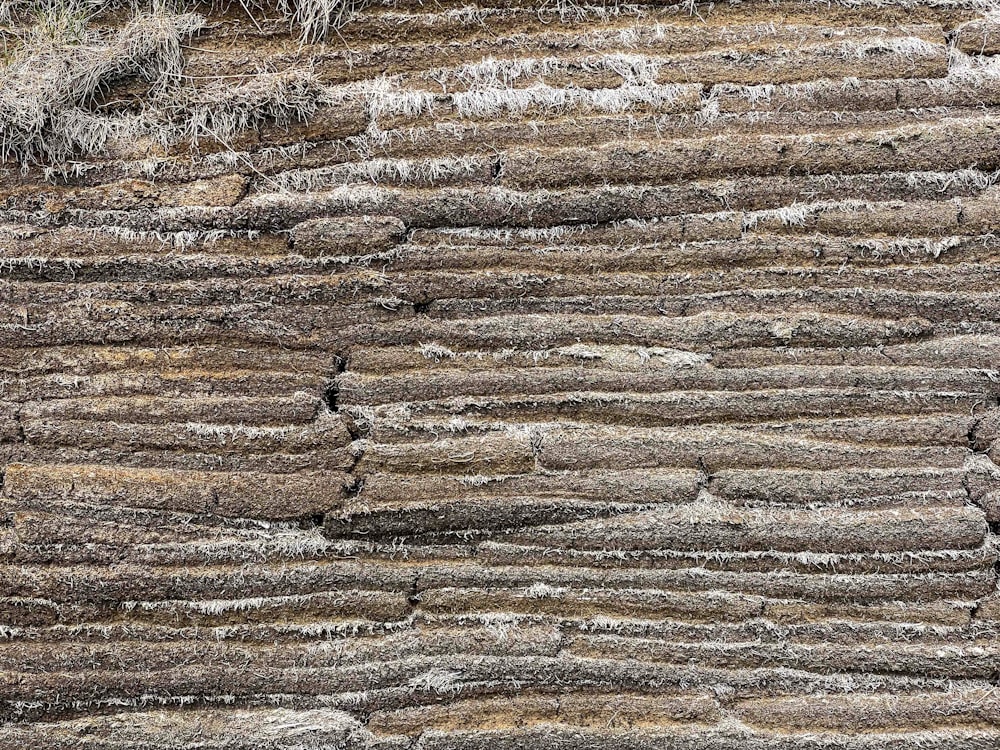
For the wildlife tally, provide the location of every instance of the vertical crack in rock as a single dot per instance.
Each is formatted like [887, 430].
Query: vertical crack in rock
[332, 392]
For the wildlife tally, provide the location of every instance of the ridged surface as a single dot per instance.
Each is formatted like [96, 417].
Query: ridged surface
[621, 379]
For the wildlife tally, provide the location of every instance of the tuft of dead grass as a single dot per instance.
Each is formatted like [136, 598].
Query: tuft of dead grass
[49, 86]
[313, 20]
[316, 19]
[221, 110]
[48, 91]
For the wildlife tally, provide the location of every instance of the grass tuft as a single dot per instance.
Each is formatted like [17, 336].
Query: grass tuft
[48, 89]
[222, 110]
[316, 19]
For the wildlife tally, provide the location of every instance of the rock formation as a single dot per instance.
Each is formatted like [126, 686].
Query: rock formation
[500, 374]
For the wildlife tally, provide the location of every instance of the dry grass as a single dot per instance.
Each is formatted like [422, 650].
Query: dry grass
[48, 88]
[314, 20]
[57, 62]
[222, 110]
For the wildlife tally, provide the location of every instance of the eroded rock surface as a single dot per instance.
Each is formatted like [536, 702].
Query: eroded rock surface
[507, 375]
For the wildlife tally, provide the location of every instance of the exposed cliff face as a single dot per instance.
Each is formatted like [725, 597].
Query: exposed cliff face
[500, 375]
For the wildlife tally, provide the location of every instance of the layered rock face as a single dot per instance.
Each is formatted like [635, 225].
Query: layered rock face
[502, 375]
